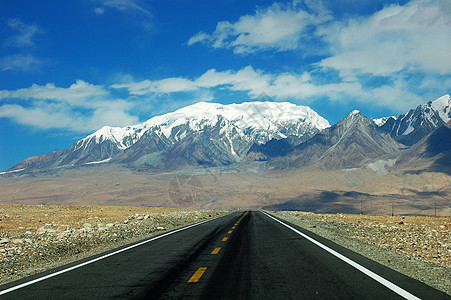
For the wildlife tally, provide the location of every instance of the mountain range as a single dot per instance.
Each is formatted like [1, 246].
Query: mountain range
[284, 135]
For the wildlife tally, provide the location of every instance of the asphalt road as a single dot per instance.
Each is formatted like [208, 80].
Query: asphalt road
[244, 255]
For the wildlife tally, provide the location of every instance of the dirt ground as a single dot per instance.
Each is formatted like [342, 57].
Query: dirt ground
[424, 238]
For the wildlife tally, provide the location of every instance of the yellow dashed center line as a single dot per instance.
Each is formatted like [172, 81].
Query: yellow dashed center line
[200, 271]
[216, 250]
[197, 275]
[241, 218]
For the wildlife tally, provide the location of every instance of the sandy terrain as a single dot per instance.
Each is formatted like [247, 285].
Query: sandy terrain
[315, 190]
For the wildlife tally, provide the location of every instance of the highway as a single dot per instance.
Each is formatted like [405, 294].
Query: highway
[243, 255]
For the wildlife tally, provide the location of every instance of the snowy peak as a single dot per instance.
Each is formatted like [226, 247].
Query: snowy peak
[443, 106]
[412, 126]
[381, 121]
[199, 134]
[122, 137]
[248, 116]
[260, 120]
[354, 117]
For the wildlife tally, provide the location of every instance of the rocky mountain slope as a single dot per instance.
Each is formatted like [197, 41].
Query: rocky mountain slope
[433, 151]
[347, 144]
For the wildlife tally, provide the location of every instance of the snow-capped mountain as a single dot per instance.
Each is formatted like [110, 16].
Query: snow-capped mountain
[260, 121]
[203, 133]
[285, 134]
[412, 126]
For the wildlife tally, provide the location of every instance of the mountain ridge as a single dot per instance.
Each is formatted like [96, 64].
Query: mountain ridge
[347, 144]
[411, 127]
[211, 134]
[236, 126]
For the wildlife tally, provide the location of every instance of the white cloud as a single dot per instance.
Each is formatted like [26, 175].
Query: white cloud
[133, 6]
[246, 79]
[387, 59]
[414, 37]
[22, 34]
[82, 107]
[168, 85]
[79, 90]
[42, 117]
[199, 37]
[137, 12]
[279, 27]
[288, 86]
[23, 62]
[99, 10]
[410, 38]
[48, 116]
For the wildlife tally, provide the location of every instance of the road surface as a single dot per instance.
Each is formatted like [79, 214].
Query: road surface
[243, 255]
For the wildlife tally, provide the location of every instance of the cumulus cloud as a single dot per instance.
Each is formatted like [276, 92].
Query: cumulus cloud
[388, 58]
[286, 86]
[279, 27]
[413, 37]
[79, 91]
[168, 85]
[82, 107]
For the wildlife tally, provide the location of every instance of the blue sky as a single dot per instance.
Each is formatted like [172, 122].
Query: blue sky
[67, 68]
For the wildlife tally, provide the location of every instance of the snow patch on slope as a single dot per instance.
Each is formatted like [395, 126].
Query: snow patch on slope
[13, 171]
[381, 121]
[98, 162]
[443, 106]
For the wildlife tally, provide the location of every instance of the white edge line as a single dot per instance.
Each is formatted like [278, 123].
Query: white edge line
[359, 267]
[101, 257]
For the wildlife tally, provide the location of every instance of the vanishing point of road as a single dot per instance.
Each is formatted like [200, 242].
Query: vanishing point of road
[242, 255]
